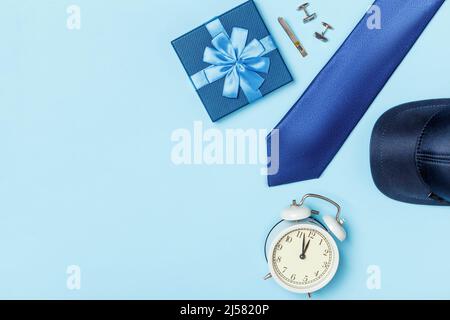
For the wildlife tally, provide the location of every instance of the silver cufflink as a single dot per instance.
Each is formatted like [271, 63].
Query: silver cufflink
[309, 17]
[321, 36]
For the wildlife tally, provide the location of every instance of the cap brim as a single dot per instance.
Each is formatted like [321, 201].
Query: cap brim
[393, 151]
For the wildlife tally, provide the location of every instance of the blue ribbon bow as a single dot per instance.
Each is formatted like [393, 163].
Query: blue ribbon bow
[236, 61]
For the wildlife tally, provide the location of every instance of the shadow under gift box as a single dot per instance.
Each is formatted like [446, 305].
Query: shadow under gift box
[243, 19]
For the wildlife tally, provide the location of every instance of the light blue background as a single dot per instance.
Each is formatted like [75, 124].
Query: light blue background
[86, 176]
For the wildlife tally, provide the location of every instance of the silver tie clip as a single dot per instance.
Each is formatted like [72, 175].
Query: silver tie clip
[293, 37]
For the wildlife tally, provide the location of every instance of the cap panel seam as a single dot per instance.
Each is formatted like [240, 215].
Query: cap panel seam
[418, 161]
[434, 155]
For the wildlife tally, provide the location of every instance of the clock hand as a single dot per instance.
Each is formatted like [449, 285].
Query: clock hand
[302, 255]
[307, 246]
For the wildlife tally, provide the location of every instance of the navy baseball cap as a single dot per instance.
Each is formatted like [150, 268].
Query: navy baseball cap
[410, 153]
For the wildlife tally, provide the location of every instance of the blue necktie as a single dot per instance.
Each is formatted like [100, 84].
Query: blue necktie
[316, 127]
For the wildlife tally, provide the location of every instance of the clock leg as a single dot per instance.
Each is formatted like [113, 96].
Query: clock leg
[268, 276]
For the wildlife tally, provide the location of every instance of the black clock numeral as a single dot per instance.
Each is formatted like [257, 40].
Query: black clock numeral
[288, 239]
[305, 279]
[279, 246]
[278, 259]
[311, 235]
[325, 265]
[293, 277]
[321, 241]
[317, 273]
[326, 253]
[284, 269]
[299, 234]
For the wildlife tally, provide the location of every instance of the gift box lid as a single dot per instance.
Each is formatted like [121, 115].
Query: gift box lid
[232, 60]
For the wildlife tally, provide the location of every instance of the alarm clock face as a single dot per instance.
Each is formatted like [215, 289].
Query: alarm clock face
[304, 258]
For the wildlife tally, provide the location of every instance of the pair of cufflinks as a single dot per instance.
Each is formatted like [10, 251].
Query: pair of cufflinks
[310, 17]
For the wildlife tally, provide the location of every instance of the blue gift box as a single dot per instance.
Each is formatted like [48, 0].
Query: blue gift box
[232, 60]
